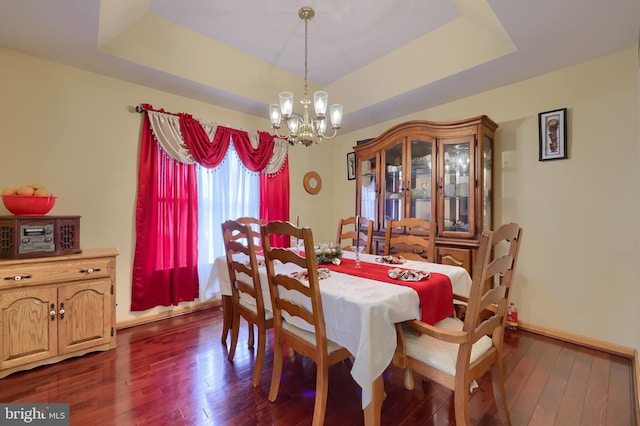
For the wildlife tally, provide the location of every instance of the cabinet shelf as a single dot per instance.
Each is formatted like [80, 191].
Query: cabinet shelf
[421, 170]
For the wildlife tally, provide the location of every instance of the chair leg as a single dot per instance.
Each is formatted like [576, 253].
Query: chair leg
[227, 317]
[409, 384]
[250, 341]
[461, 405]
[276, 371]
[235, 329]
[322, 385]
[257, 371]
[500, 396]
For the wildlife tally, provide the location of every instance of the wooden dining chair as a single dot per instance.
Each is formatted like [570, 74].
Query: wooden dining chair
[246, 290]
[254, 228]
[299, 299]
[454, 353]
[416, 240]
[227, 304]
[347, 234]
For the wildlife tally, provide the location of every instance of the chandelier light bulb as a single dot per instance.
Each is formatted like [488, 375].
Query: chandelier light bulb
[336, 115]
[322, 126]
[286, 104]
[320, 103]
[293, 124]
[276, 115]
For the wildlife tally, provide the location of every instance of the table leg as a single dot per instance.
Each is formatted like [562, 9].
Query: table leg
[372, 411]
[227, 316]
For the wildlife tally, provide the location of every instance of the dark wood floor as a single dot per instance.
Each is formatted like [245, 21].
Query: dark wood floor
[175, 372]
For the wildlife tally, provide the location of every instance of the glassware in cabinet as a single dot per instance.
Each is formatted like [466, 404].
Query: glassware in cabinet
[367, 187]
[421, 154]
[394, 187]
[456, 195]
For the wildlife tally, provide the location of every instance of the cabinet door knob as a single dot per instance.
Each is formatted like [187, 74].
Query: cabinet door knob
[90, 270]
[61, 312]
[52, 313]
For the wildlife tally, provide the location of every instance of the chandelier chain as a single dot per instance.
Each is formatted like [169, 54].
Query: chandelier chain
[306, 67]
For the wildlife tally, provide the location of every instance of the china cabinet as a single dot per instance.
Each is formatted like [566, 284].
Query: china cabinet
[440, 172]
[54, 308]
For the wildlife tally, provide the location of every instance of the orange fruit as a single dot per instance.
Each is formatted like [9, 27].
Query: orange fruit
[25, 190]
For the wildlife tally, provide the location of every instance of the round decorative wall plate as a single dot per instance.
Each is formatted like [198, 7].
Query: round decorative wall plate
[312, 183]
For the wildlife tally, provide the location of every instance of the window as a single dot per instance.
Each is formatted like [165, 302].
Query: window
[227, 192]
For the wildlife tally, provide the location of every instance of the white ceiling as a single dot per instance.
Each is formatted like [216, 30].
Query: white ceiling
[380, 58]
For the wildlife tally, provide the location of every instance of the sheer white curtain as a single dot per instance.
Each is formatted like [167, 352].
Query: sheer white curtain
[227, 192]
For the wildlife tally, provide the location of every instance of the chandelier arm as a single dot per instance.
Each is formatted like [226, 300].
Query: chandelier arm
[335, 133]
[281, 136]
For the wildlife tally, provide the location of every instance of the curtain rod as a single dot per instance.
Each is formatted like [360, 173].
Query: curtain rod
[140, 109]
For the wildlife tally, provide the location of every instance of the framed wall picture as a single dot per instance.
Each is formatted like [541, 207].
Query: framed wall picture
[351, 165]
[552, 132]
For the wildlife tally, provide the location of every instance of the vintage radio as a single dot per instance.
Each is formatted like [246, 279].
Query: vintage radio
[39, 236]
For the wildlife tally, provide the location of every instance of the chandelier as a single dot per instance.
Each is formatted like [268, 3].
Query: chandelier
[303, 129]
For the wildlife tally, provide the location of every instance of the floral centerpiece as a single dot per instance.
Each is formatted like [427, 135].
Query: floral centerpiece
[328, 253]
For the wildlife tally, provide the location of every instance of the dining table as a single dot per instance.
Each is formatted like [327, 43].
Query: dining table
[361, 309]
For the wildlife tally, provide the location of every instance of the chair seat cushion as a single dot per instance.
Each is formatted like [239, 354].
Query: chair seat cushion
[439, 354]
[252, 307]
[309, 336]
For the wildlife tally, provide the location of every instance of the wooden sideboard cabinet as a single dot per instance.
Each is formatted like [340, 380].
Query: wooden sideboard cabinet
[54, 308]
[439, 172]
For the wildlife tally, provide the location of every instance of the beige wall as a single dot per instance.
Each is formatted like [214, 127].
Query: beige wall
[74, 132]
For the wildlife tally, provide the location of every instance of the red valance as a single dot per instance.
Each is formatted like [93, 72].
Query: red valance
[207, 153]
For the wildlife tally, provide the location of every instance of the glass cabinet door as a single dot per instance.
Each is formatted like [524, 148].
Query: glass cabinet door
[394, 188]
[368, 188]
[487, 155]
[421, 154]
[455, 187]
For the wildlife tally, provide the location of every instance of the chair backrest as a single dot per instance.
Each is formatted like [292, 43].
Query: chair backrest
[416, 240]
[254, 228]
[242, 263]
[301, 298]
[347, 231]
[487, 307]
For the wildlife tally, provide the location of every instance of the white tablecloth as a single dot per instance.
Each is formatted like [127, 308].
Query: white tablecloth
[360, 313]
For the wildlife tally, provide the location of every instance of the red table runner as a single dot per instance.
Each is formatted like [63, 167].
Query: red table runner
[435, 293]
